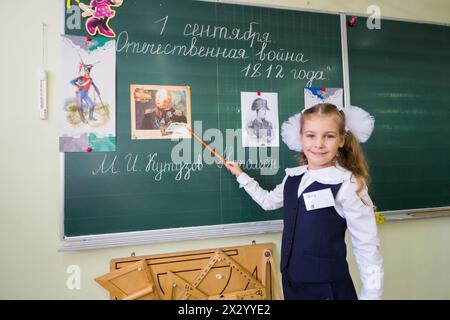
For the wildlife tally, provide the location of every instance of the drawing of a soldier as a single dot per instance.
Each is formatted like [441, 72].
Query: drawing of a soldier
[260, 127]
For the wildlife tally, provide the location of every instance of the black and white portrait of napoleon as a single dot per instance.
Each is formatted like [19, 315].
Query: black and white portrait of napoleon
[259, 119]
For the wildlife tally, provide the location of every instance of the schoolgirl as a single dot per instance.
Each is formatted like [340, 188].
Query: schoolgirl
[323, 198]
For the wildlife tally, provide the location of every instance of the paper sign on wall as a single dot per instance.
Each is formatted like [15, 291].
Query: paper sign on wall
[89, 92]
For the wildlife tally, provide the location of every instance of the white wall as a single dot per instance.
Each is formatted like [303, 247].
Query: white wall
[415, 252]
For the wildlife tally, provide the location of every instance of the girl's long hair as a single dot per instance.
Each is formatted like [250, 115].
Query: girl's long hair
[350, 156]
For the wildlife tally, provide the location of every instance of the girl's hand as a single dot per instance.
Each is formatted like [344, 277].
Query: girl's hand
[234, 168]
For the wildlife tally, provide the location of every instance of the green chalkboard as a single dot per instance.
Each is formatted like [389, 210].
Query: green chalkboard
[124, 197]
[399, 73]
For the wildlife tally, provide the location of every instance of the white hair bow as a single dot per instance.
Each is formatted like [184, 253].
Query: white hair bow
[358, 121]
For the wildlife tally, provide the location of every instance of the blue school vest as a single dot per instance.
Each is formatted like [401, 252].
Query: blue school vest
[313, 245]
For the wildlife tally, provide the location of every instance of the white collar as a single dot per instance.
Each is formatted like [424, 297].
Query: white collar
[330, 175]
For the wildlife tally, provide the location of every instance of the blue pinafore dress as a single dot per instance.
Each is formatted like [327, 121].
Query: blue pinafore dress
[313, 252]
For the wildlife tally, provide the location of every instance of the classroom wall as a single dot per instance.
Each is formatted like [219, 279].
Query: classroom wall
[415, 252]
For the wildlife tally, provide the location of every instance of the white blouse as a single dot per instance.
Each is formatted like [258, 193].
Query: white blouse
[359, 217]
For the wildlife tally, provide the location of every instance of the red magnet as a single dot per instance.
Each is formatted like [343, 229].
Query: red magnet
[323, 89]
[352, 21]
[259, 93]
[88, 39]
[89, 149]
